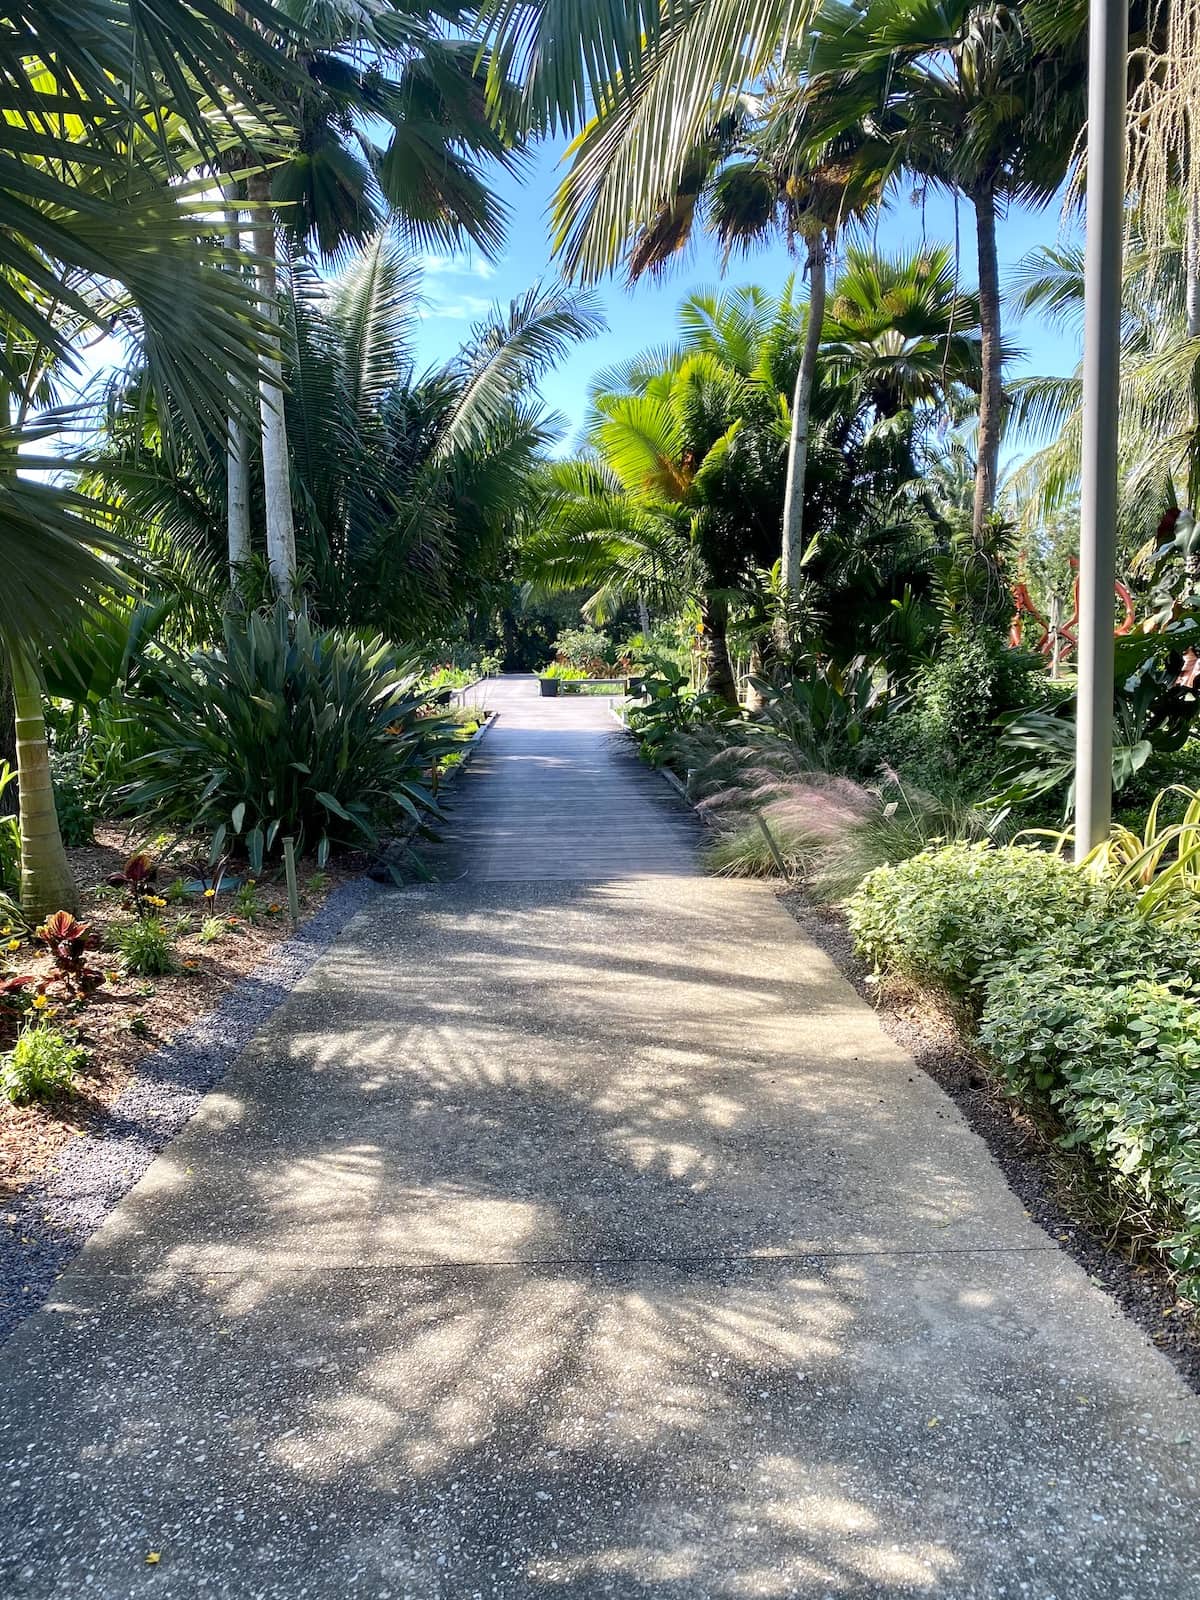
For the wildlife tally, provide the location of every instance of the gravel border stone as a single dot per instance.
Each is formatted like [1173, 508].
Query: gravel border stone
[46, 1225]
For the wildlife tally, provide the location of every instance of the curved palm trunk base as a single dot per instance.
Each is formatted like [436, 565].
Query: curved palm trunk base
[47, 882]
[719, 679]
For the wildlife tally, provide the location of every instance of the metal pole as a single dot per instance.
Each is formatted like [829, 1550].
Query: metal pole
[1108, 47]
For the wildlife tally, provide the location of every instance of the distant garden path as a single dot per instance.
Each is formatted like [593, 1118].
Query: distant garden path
[574, 1231]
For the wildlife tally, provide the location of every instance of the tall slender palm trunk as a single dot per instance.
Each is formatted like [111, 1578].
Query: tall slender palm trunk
[797, 466]
[237, 451]
[277, 486]
[47, 883]
[991, 391]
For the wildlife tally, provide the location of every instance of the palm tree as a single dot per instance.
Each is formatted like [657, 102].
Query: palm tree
[677, 493]
[652, 74]
[408, 483]
[686, 447]
[968, 101]
[411, 482]
[386, 68]
[97, 111]
[1159, 448]
[963, 92]
[762, 170]
[899, 328]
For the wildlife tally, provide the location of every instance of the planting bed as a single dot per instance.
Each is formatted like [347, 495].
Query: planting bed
[155, 1046]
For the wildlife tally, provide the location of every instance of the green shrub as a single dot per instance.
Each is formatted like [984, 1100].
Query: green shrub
[70, 803]
[944, 915]
[145, 947]
[287, 730]
[560, 669]
[42, 1064]
[674, 716]
[587, 648]
[1118, 1060]
[212, 929]
[946, 739]
[448, 677]
[976, 678]
[825, 712]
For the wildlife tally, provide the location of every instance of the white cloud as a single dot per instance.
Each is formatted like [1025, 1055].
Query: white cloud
[454, 308]
[454, 266]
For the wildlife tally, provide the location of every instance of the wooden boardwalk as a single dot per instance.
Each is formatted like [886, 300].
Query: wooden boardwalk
[557, 792]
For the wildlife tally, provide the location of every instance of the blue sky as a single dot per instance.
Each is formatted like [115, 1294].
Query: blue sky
[459, 289]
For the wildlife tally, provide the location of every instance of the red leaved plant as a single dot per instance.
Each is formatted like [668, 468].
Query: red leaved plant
[137, 879]
[68, 942]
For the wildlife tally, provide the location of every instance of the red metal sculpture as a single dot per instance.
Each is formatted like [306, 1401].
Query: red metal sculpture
[1065, 632]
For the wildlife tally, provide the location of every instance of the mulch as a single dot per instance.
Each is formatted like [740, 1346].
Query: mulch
[130, 1017]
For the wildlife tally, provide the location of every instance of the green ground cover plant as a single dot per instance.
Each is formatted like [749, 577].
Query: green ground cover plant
[1082, 999]
[42, 1065]
[1116, 1058]
[145, 947]
[947, 915]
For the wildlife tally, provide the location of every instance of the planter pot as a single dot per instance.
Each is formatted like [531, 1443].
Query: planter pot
[549, 687]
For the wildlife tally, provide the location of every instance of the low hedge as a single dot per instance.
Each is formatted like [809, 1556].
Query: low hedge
[1086, 1009]
[945, 915]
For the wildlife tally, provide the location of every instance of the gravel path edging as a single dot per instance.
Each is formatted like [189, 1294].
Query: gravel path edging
[47, 1224]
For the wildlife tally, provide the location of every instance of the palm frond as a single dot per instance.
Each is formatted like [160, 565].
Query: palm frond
[509, 354]
[372, 300]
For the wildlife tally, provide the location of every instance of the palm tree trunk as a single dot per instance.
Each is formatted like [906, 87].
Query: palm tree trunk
[237, 487]
[991, 393]
[8, 737]
[758, 662]
[47, 883]
[793, 499]
[281, 530]
[237, 452]
[718, 679]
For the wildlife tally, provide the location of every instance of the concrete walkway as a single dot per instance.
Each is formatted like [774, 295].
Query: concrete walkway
[577, 1237]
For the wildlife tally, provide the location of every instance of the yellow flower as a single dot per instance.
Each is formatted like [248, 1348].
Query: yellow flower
[210, 894]
[40, 1002]
[112, 976]
[13, 944]
[155, 900]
